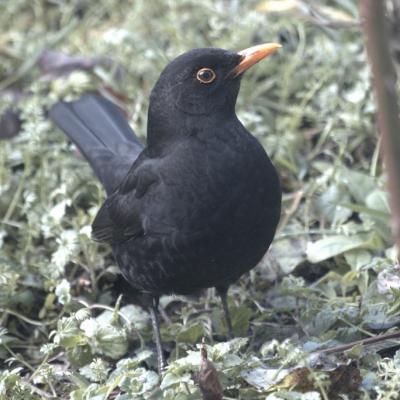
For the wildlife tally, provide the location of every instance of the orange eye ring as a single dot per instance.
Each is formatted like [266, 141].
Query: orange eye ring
[206, 75]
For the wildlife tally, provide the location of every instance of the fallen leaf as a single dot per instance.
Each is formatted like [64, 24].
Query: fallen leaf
[207, 378]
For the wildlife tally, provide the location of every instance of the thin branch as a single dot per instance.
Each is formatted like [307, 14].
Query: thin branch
[363, 342]
[384, 83]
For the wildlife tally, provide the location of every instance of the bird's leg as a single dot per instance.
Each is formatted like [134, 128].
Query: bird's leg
[222, 292]
[156, 329]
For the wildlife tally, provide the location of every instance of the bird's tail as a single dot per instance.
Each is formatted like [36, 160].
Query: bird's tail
[102, 134]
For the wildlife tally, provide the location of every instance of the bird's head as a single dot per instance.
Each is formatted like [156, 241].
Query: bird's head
[201, 82]
[206, 80]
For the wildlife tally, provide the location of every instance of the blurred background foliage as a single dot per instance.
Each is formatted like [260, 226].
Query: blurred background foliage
[331, 276]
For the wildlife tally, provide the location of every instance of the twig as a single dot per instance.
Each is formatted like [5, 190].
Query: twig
[18, 358]
[292, 209]
[384, 84]
[30, 321]
[308, 232]
[362, 342]
[40, 392]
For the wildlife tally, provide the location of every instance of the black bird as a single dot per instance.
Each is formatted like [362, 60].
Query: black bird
[199, 205]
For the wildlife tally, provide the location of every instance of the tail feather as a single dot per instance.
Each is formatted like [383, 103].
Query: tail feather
[102, 134]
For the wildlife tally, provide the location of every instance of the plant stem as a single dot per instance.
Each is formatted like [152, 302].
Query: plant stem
[384, 84]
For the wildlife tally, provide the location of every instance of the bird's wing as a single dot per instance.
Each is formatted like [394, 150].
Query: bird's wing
[115, 224]
[120, 217]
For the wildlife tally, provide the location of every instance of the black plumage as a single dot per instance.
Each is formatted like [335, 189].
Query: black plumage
[199, 205]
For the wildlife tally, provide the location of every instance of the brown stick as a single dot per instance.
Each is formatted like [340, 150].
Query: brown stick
[384, 84]
[363, 342]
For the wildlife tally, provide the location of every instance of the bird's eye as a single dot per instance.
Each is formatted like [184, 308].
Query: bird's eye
[205, 75]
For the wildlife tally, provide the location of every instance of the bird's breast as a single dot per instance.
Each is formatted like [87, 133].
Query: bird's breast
[214, 185]
[210, 218]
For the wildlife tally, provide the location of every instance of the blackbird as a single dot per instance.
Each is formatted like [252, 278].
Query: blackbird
[198, 206]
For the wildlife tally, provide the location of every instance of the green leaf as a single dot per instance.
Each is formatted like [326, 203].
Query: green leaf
[263, 378]
[358, 258]
[68, 334]
[63, 292]
[139, 317]
[328, 205]
[218, 351]
[79, 356]
[323, 321]
[359, 184]
[332, 246]
[241, 319]
[288, 253]
[171, 379]
[191, 333]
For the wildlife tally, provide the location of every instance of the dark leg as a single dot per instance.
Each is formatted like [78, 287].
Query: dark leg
[222, 292]
[156, 329]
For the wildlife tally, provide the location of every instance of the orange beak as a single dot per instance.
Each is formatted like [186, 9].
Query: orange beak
[253, 55]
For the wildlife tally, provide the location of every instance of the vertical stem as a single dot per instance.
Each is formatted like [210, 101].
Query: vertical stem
[384, 84]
